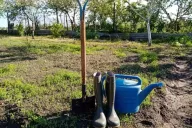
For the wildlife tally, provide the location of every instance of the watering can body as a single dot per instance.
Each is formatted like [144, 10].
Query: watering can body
[129, 95]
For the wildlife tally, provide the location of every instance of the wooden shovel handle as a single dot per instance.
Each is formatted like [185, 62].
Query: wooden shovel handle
[83, 55]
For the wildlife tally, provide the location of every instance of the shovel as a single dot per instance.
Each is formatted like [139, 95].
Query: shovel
[85, 104]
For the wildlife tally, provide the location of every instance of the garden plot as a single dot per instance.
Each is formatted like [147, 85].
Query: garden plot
[38, 79]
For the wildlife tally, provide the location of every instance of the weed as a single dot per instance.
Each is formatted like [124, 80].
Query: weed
[137, 50]
[130, 69]
[153, 67]
[7, 70]
[95, 48]
[3, 93]
[62, 78]
[120, 54]
[146, 80]
[17, 90]
[36, 121]
[125, 118]
[76, 94]
[148, 57]
[189, 44]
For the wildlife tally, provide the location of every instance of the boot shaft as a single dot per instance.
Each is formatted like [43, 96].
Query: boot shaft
[110, 89]
[112, 118]
[98, 88]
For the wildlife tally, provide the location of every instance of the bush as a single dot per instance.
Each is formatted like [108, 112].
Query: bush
[91, 35]
[177, 44]
[189, 44]
[184, 39]
[20, 29]
[57, 29]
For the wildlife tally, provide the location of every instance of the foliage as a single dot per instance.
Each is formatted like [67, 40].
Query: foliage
[20, 29]
[1, 7]
[57, 30]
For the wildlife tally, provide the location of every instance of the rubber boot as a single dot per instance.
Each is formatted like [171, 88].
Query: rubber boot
[99, 120]
[112, 118]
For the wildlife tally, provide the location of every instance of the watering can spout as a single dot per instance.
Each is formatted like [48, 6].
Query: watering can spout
[143, 94]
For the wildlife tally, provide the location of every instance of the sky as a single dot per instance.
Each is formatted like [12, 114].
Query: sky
[3, 20]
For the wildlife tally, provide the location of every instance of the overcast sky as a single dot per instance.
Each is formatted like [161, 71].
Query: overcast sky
[3, 20]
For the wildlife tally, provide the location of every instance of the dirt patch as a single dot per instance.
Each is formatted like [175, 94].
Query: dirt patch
[173, 108]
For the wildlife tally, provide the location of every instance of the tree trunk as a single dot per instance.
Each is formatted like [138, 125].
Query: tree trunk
[94, 22]
[44, 21]
[114, 17]
[149, 32]
[60, 16]
[64, 20]
[33, 30]
[29, 29]
[72, 25]
[67, 23]
[57, 15]
[8, 23]
[74, 17]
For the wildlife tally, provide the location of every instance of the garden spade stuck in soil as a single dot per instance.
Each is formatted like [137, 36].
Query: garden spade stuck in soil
[85, 104]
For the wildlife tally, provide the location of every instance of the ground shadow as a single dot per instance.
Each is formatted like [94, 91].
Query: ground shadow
[164, 71]
[14, 54]
[65, 119]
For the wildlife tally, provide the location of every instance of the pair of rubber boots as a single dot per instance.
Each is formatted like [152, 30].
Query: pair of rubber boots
[100, 120]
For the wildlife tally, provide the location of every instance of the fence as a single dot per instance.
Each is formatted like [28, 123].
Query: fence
[106, 36]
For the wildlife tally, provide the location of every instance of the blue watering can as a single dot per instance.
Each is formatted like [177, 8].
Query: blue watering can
[129, 95]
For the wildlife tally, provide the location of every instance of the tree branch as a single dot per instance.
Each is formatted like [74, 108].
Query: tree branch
[136, 11]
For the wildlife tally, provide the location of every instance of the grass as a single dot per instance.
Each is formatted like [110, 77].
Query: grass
[120, 54]
[147, 80]
[16, 90]
[58, 78]
[125, 118]
[7, 70]
[41, 122]
[148, 57]
[52, 79]
[42, 47]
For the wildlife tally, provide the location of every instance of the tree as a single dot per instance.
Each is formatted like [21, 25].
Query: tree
[54, 5]
[45, 11]
[101, 10]
[31, 10]
[184, 11]
[152, 6]
[11, 10]
[70, 8]
[1, 7]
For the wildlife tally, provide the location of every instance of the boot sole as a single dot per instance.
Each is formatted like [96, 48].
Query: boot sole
[114, 126]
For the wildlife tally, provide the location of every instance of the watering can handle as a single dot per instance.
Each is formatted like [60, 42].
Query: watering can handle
[102, 81]
[129, 77]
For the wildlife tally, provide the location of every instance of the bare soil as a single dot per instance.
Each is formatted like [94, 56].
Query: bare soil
[172, 109]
